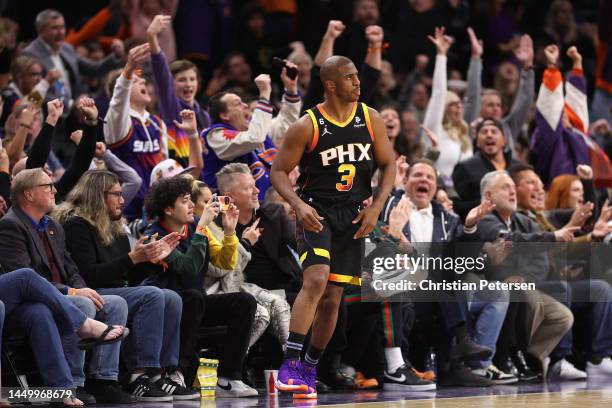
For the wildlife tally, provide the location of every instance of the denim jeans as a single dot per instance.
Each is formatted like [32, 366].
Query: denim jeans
[34, 307]
[595, 297]
[488, 309]
[104, 363]
[154, 317]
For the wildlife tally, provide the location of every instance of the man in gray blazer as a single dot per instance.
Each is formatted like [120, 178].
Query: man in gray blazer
[53, 52]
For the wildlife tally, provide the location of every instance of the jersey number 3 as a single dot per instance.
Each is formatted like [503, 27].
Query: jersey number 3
[348, 175]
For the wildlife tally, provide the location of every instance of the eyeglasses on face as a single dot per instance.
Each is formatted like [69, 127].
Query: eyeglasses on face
[117, 194]
[49, 186]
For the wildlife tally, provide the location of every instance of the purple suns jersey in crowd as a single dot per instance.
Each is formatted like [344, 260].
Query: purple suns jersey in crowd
[170, 107]
[140, 149]
[259, 160]
[256, 147]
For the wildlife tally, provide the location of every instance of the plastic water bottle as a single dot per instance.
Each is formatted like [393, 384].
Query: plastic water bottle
[431, 361]
[60, 89]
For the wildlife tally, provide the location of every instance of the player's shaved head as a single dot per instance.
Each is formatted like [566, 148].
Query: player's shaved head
[330, 68]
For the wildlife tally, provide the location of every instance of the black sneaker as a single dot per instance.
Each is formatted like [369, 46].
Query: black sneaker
[108, 392]
[173, 383]
[467, 350]
[525, 373]
[404, 379]
[84, 396]
[144, 389]
[505, 364]
[336, 379]
[462, 376]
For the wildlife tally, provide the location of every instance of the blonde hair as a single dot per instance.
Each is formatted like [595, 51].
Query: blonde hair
[225, 176]
[457, 132]
[86, 200]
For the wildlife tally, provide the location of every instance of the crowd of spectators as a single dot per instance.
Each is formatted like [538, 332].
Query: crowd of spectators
[137, 139]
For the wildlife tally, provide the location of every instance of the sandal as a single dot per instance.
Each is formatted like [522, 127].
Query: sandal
[87, 344]
[68, 402]
[72, 402]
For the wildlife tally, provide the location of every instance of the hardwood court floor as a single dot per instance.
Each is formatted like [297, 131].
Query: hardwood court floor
[582, 394]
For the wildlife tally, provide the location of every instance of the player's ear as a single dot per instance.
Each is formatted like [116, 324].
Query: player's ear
[330, 85]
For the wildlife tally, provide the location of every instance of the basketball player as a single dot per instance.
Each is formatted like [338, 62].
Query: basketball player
[338, 145]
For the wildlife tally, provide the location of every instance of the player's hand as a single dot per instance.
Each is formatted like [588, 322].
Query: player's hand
[368, 218]
[309, 218]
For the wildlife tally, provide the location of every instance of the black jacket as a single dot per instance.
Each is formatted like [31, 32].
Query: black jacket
[101, 266]
[466, 179]
[272, 265]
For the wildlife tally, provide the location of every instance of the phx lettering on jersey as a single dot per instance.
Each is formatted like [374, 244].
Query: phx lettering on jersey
[346, 153]
[340, 157]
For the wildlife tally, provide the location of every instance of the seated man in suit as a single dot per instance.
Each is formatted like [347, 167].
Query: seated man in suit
[30, 239]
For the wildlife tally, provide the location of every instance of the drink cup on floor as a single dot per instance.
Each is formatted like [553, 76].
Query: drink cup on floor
[270, 377]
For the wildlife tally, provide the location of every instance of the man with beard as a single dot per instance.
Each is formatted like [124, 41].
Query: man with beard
[490, 156]
[338, 144]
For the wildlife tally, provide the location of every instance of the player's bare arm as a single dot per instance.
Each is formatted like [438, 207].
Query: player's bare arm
[295, 142]
[385, 158]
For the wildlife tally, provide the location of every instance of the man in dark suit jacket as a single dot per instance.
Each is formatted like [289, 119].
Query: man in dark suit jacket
[54, 53]
[30, 239]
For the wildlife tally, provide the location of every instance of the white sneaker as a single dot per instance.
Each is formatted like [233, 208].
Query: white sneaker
[234, 389]
[564, 370]
[545, 367]
[495, 375]
[603, 368]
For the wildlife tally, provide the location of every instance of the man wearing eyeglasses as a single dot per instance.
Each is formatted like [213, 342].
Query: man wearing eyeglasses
[30, 239]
